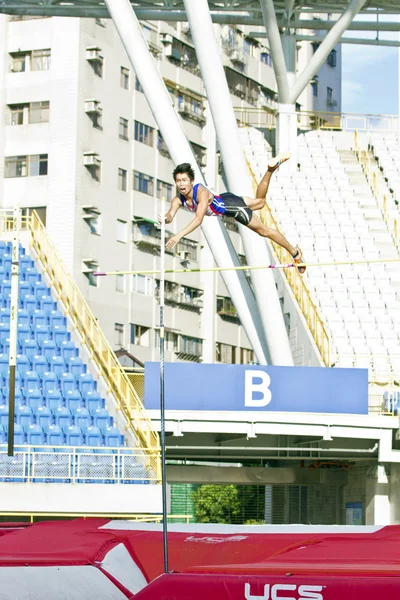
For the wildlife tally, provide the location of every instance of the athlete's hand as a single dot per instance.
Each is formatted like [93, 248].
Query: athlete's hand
[167, 219]
[173, 241]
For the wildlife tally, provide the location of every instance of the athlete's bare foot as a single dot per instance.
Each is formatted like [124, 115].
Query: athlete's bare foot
[276, 162]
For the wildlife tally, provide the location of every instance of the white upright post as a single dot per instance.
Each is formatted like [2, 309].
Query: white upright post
[238, 176]
[286, 127]
[16, 223]
[180, 150]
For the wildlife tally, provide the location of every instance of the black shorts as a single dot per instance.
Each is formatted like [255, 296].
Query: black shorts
[237, 208]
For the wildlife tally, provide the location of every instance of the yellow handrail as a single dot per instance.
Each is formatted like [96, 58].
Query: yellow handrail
[142, 518]
[299, 287]
[382, 199]
[116, 379]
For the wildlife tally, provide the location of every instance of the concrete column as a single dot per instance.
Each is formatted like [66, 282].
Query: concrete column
[394, 493]
[286, 131]
[377, 500]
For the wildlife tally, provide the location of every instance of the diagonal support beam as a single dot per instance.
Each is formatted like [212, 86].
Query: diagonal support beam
[330, 41]
[275, 44]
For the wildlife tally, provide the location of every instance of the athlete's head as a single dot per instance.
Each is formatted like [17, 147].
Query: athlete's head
[184, 176]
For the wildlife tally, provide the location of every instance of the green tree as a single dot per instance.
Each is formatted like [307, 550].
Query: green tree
[217, 504]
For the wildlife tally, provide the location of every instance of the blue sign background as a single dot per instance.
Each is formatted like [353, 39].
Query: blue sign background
[191, 386]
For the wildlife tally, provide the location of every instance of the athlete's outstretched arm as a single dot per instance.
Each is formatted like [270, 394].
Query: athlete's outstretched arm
[202, 205]
[173, 209]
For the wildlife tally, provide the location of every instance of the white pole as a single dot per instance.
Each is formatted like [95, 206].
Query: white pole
[162, 388]
[16, 223]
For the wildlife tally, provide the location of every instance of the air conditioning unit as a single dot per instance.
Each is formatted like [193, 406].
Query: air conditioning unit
[238, 56]
[332, 102]
[90, 265]
[93, 53]
[90, 212]
[92, 106]
[91, 159]
[166, 38]
[183, 255]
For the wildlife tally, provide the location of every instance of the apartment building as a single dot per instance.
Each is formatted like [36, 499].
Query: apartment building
[79, 144]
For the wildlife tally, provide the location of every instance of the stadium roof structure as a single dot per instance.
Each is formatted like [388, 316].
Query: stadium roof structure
[246, 12]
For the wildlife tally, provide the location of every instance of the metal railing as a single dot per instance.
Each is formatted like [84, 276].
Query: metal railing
[128, 401]
[63, 464]
[299, 287]
[310, 120]
[23, 517]
[385, 202]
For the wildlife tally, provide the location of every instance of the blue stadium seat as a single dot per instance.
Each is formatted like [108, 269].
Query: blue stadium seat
[23, 415]
[40, 364]
[19, 396]
[48, 348]
[93, 436]
[93, 400]
[44, 416]
[82, 417]
[2, 435]
[35, 435]
[6, 261]
[25, 263]
[24, 289]
[73, 435]
[4, 362]
[3, 247]
[73, 399]
[4, 415]
[5, 287]
[101, 418]
[19, 435]
[40, 289]
[61, 334]
[23, 363]
[68, 349]
[31, 275]
[47, 303]
[49, 381]
[23, 316]
[4, 329]
[57, 365]
[28, 347]
[39, 317]
[54, 398]
[30, 303]
[34, 399]
[62, 416]
[40, 333]
[76, 366]
[85, 382]
[57, 319]
[113, 437]
[31, 380]
[54, 435]
[67, 383]
[5, 315]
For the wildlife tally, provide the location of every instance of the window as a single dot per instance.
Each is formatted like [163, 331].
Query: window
[138, 86]
[246, 356]
[225, 307]
[39, 112]
[123, 128]
[94, 225]
[92, 162]
[314, 86]
[122, 180]
[143, 183]
[41, 212]
[225, 353]
[140, 335]
[329, 95]
[164, 190]
[26, 166]
[90, 266]
[162, 146]
[332, 58]
[142, 284]
[200, 153]
[35, 60]
[315, 46]
[124, 79]
[120, 283]
[266, 58]
[122, 231]
[119, 334]
[35, 112]
[144, 133]
[190, 345]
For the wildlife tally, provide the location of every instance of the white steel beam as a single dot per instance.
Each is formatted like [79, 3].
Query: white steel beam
[275, 44]
[173, 133]
[344, 40]
[238, 175]
[325, 48]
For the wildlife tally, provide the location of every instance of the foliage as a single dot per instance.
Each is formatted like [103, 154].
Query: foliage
[216, 504]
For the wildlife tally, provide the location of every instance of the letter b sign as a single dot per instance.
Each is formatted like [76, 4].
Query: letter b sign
[257, 382]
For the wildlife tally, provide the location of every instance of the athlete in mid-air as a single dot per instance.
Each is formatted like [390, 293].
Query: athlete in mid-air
[202, 201]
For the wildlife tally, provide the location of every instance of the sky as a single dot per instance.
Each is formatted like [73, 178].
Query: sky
[370, 74]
